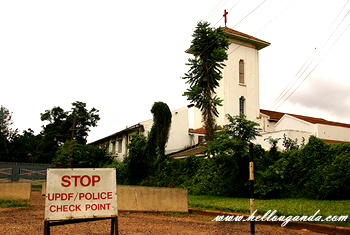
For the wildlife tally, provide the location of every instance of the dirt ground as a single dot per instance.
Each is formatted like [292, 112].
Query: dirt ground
[30, 220]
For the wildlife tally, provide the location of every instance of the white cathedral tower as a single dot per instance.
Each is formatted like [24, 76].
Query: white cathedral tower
[239, 87]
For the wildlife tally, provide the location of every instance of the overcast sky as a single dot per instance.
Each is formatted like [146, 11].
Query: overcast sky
[122, 56]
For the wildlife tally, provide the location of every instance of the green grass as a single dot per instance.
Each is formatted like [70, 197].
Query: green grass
[13, 203]
[38, 182]
[286, 207]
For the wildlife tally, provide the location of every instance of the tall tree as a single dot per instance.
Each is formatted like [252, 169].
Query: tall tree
[60, 127]
[6, 133]
[24, 146]
[85, 119]
[209, 47]
[159, 134]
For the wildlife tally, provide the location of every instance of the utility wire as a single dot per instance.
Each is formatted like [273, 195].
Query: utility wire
[315, 65]
[209, 17]
[289, 86]
[276, 17]
[217, 9]
[228, 11]
[249, 13]
[263, 26]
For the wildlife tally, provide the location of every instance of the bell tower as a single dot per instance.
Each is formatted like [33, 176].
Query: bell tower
[239, 87]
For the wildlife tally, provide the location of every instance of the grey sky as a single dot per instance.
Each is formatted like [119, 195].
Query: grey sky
[122, 56]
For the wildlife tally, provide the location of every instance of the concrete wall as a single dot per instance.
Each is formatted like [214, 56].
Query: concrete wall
[138, 198]
[288, 122]
[15, 190]
[333, 133]
[293, 134]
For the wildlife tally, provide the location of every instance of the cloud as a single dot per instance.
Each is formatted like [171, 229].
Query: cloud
[324, 95]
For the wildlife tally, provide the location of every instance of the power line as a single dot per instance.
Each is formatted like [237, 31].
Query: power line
[289, 86]
[217, 9]
[228, 11]
[276, 17]
[315, 66]
[210, 16]
[264, 26]
[249, 13]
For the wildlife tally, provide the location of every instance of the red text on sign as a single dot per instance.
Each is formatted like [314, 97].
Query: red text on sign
[64, 208]
[84, 180]
[94, 207]
[96, 196]
[61, 196]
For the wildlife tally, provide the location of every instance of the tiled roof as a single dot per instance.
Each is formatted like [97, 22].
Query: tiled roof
[260, 44]
[278, 115]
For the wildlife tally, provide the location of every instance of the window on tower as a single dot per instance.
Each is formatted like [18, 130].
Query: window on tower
[241, 105]
[241, 71]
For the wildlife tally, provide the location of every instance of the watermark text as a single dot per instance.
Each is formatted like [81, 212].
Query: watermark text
[271, 217]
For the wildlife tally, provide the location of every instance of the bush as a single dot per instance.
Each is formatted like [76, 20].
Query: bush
[317, 171]
[83, 156]
[137, 162]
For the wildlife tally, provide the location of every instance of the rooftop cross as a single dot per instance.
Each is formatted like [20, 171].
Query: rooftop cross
[225, 16]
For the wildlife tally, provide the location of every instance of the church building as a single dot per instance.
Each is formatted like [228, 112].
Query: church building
[239, 90]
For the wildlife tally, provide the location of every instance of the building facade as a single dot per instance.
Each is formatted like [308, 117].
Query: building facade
[239, 90]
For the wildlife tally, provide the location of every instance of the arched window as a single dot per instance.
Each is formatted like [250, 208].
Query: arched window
[241, 71]
[241, 106]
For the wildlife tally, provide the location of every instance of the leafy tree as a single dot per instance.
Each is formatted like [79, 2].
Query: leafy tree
[273, 142]
[290, 144]
[24, 147]
[61, 122]
[228, 167]
[242, 129]
[6, 133]
[85, 119]
[209, 47]
[88, 156]
[234, 137]
[137, 163]
[60, 126]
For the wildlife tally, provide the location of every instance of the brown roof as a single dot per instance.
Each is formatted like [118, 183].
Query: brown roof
[196, 151]
[138, 127]
[197, 131]
[278, 115]
[231, 33]
[260, 44]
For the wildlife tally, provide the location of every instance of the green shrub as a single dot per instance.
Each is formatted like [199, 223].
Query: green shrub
[316, 171]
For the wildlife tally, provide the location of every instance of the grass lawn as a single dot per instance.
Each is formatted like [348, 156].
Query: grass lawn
[285, 207]
[13, 203]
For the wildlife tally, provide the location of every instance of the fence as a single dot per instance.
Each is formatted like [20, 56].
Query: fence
[19, 170]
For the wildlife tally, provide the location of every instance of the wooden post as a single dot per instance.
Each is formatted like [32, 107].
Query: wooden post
[251, 188]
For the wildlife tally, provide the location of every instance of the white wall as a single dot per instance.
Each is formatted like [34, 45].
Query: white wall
[230, 90]
[332, 133]
[293, 134]
[292, 123]
[178, 136]
[296, 128]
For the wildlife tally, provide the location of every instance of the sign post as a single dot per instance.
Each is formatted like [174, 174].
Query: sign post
[75, 195]
[251, 186]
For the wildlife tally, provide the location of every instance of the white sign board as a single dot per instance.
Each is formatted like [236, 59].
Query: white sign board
[80, 193]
